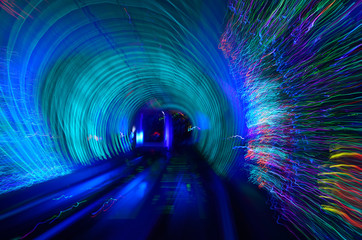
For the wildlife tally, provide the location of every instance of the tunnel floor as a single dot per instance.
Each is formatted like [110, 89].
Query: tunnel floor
[157, 195]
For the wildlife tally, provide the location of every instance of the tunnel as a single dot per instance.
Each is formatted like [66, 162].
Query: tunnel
[180, 119]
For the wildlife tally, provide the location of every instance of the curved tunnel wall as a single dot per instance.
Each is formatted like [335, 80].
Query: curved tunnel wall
[82, 69]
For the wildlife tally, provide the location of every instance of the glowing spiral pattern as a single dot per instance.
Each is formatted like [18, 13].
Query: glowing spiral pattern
[75, 73]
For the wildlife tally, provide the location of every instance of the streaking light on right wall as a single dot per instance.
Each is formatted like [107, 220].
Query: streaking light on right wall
[297, 67]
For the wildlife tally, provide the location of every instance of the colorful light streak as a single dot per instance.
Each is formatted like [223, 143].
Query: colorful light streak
[105, 207]
[52, 219]
[63, 196]
[296, 67]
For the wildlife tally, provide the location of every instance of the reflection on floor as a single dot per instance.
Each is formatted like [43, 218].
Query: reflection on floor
[157, 195]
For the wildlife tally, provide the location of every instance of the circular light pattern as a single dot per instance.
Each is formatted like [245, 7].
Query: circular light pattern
[77, 72]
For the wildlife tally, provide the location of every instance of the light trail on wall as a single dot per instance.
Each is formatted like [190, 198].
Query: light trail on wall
[296, 65]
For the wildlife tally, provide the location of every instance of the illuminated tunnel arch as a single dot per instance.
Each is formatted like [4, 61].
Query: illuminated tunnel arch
[291, 86]
[91, 66]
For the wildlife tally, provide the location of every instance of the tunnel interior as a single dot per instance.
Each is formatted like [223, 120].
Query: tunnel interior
[163, 129]
[202, 119]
